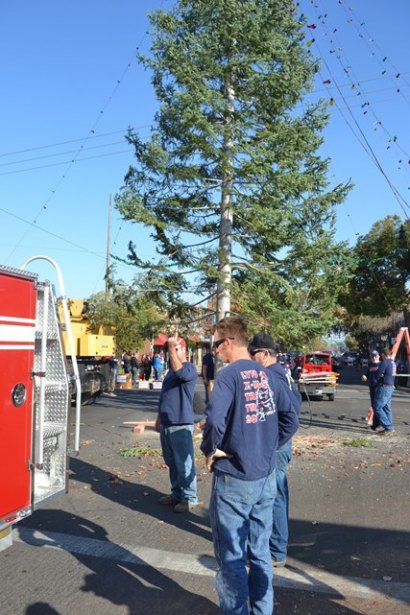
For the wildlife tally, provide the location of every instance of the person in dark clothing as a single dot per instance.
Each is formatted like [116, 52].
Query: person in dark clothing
[248, 416]
[175, 424]
[386, 374]
[126, 362]
[371, 378]
[208, 371]
[147, 366]
[264, 351]
[134, 368]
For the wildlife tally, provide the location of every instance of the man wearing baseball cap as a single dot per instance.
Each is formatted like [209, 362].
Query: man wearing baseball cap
[371, 378]
[175, 423]
[263, 349]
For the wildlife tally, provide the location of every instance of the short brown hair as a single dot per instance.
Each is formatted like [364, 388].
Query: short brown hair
[235, 327]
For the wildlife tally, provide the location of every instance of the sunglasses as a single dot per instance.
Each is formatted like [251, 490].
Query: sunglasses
[255, 352]
[216, 345]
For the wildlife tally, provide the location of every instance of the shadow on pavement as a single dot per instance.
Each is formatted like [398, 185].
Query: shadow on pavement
[41, 608]
[354, 551]
[144, 590]
[139, 498]
[345, 551]
[342, 424]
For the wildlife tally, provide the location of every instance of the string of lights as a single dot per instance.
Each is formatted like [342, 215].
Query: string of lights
[336, 47]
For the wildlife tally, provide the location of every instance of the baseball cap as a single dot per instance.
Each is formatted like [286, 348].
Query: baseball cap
[263, 340]
[374, 353]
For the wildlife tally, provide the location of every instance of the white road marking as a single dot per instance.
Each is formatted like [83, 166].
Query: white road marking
[297, 576]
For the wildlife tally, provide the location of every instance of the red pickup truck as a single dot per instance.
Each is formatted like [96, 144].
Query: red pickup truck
[315, 375]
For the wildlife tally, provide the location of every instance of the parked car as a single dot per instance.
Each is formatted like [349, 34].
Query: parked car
[335, 363]
[349, 357]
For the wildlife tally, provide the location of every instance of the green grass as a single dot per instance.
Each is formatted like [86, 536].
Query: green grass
[359, 443]
[140, 451]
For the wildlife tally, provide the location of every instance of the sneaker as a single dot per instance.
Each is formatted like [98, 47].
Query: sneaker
[184, 507]
[279, 563]
[380, 429]
[168, 500]
[386, 432]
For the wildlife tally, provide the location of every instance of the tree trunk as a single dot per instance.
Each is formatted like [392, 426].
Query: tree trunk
[225, 237]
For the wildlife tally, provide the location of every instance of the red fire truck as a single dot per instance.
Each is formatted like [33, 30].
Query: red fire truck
[35, 394]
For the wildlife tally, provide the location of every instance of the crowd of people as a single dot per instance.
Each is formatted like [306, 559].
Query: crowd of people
[143, 368]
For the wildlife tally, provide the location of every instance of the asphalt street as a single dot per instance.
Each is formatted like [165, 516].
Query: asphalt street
[109, 548]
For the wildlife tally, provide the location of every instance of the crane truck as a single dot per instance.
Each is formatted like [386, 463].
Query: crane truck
[94, 345]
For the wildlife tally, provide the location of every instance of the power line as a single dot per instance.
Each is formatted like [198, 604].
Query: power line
[72, 151]
[57, 164]
[49, 145]
[81, 147]
[354, 82]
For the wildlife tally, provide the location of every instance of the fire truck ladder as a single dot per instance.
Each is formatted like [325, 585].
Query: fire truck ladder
[51, 397]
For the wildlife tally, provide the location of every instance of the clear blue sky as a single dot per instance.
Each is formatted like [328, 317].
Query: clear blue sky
[71, 87]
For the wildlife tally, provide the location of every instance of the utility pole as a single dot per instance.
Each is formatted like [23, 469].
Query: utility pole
[107, 258]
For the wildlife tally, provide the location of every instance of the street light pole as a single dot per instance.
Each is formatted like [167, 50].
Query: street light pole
[107, 258]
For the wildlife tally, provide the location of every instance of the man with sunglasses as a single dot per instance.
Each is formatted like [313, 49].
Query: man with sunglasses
[264, 351]
[175, 424]
[248, 415]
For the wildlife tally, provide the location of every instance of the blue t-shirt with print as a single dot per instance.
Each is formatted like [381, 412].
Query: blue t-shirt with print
[177, 394]
[248, 415]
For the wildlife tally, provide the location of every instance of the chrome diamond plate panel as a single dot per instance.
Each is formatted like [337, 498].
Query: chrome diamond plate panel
[50, 367]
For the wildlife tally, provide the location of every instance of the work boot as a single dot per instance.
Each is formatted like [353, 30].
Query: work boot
[279, 563]
[168, 500]
[184, 507]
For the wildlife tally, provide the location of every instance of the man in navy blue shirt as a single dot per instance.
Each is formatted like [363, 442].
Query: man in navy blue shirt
[175, 423]
[371, 378]
[249, 414]
[385, 376]
[264, 351]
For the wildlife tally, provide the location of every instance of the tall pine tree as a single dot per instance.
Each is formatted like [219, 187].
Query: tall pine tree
[230, 180]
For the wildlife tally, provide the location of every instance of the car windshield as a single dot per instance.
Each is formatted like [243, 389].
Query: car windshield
[317, 359]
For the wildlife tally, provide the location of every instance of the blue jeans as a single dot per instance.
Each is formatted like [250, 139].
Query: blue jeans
[178, 453]
[113, 377]
[382, 406]
[241, 521]
[278, 542]
[158, 373]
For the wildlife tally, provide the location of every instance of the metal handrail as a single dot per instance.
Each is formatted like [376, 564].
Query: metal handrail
[70, 340]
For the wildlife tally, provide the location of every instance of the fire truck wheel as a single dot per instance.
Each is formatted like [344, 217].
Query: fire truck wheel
[89, 399]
